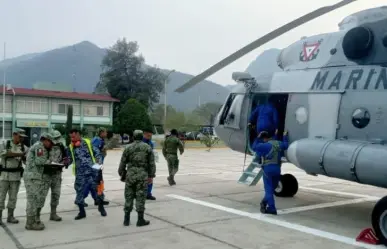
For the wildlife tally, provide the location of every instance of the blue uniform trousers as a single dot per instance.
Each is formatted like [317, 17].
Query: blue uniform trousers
[91, 189]
[150, 186]
[271, 177]
[83, 184]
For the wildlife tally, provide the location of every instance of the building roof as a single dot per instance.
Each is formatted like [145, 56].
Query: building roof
[57, 94]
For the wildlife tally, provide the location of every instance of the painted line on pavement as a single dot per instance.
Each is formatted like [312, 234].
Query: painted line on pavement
[285, 224]
[324, 205]
[339, 193]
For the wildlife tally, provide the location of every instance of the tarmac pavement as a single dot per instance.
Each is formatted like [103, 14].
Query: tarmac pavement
[206, 209]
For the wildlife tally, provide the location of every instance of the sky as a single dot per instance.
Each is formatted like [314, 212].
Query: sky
[186, 35]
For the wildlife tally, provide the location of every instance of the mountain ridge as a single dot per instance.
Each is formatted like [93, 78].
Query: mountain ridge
[79, 65]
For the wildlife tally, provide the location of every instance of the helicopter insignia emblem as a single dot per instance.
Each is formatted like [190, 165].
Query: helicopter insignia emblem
[310, 51]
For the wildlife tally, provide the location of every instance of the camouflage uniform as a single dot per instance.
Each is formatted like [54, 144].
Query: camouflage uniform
[36, 183]
[10, 175]
[83, 160]
[170, 146]
[138, 164]
[54, 176]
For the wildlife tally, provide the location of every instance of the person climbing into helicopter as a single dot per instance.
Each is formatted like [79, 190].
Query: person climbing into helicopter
[265, 118]
[269, 154]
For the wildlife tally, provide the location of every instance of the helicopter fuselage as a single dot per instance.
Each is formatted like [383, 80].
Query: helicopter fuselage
[333, 89]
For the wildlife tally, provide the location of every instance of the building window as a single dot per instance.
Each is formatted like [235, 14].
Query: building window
[100, 110]
[32, 105]
[61, 108]
[7, 129]
[8, 104]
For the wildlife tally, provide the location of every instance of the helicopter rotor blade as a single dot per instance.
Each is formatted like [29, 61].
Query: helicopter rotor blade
[261, 41]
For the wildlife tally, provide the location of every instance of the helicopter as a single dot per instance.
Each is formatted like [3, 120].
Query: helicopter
[330, 95]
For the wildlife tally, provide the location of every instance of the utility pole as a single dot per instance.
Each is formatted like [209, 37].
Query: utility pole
[165, 99]
[4, 82]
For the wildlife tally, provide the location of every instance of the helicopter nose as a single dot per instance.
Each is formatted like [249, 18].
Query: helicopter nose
[292, 153]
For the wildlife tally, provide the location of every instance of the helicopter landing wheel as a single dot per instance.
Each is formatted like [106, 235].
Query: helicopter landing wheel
[287, 186]
[379, 220]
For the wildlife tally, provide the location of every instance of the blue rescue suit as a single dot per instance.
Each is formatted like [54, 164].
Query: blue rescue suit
[269, 155]
[100, 144]
[84, 173]
[265, 117]
[150, 185]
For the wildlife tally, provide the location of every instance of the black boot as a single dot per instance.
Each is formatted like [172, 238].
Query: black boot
[173, 180]
[82, 213]
[150, 197]
[85, 205]
[101, 209]
[141, 221]
[127, 219]
[263, 207]
[105, 203]
[169, 178]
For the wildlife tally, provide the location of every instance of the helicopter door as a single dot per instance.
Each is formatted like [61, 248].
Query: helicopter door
[323, 114]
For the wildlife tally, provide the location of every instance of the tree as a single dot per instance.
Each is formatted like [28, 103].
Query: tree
[192, 122]
[132, 116]
[207, 112]
[69, 123]
[125, 76]
[209, 141]
[175, 121]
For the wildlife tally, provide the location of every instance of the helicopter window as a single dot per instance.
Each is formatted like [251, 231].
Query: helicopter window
[360, 118]
[231, 114]
[301, 115]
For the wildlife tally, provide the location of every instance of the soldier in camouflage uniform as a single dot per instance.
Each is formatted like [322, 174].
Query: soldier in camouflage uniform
[170, 146]
[36, 182]
[54, 177]
[138, 164]
[11, 171]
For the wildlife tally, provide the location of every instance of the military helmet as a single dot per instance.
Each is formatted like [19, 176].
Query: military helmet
[46, 135]
[56, 136]
[20, 132]
[138, 135]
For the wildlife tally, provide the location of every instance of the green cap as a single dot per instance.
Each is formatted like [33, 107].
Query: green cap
[56, 136]
[20, 132]
[138, 134]
[101, 129]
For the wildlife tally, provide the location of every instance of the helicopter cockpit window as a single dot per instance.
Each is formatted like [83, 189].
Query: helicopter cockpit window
[360, 118]
[232, 110]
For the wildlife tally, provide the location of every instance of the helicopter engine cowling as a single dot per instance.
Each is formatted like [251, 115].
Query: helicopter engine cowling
[357, 161]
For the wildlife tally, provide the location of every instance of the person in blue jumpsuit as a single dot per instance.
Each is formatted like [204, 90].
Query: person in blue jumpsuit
[99, 142]
[269, 154]
[83, 155]
[265, 118]
[147, 138]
